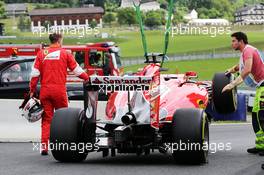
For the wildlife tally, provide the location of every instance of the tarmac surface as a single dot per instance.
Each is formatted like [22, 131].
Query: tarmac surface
[228, 156]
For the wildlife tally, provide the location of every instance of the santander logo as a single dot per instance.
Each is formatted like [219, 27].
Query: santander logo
[117, 80]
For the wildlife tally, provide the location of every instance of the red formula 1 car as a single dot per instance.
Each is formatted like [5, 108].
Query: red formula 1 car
[146, 111]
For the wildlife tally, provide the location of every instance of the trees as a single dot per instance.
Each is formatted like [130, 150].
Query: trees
[163, 4]
[40, 3]
[126, 16]
[111, 6]
[2, 9]
[224, 8]
[219, 9]
[154, 18]
[60, 5]
[99, 3]
[205, 8]
[108, 18]
[179, 13]
[64, 3]
[24, 23]
[47, 24]
[205, 13]
[214, 13]
[93, 24]
[20, 24]
[27, 24]
[44, 6]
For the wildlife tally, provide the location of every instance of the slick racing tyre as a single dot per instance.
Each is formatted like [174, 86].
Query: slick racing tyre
[226, 102]
[64, 132]
[190, 133]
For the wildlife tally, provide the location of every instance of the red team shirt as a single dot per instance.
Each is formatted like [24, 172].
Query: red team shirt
[51, 67]
[257, 66]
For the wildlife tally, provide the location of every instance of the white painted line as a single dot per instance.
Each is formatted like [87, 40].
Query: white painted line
[228, 124]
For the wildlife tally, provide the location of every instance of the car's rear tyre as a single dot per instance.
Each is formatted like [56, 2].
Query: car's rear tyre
[65, 135]
[190, 136]
[226, 102]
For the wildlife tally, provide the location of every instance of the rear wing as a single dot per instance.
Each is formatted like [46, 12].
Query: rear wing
[111, 84]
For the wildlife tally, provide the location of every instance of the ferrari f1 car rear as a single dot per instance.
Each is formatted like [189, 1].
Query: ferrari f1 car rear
[145, 112]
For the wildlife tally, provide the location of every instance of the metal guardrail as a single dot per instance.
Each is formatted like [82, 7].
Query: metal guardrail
[8, 37]
[188, 56]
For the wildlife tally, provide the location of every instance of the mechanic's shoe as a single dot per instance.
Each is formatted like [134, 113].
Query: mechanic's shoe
[44, 153]
[254, 150]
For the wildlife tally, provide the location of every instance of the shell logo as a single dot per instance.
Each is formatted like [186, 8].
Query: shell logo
[14, 51]
[46, 52]
[201, 104]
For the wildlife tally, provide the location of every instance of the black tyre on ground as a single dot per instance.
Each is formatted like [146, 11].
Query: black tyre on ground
[226, 102]
[190, 136]
[65, 135]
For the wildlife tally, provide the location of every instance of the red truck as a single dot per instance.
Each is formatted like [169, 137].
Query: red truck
[96, 58]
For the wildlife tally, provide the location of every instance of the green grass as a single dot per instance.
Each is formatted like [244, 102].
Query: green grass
[205, 68]
[184, 43]
[129, 40]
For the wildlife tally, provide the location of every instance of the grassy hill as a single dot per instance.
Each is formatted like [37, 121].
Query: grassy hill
[205, 68]
[129, 39]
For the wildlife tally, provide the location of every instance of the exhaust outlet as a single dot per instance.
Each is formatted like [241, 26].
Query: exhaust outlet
[128, 119]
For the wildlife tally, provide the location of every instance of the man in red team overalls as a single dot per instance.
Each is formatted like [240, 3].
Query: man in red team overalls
[50, 67]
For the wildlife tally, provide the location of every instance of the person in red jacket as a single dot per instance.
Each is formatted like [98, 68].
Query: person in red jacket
[50, 67]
